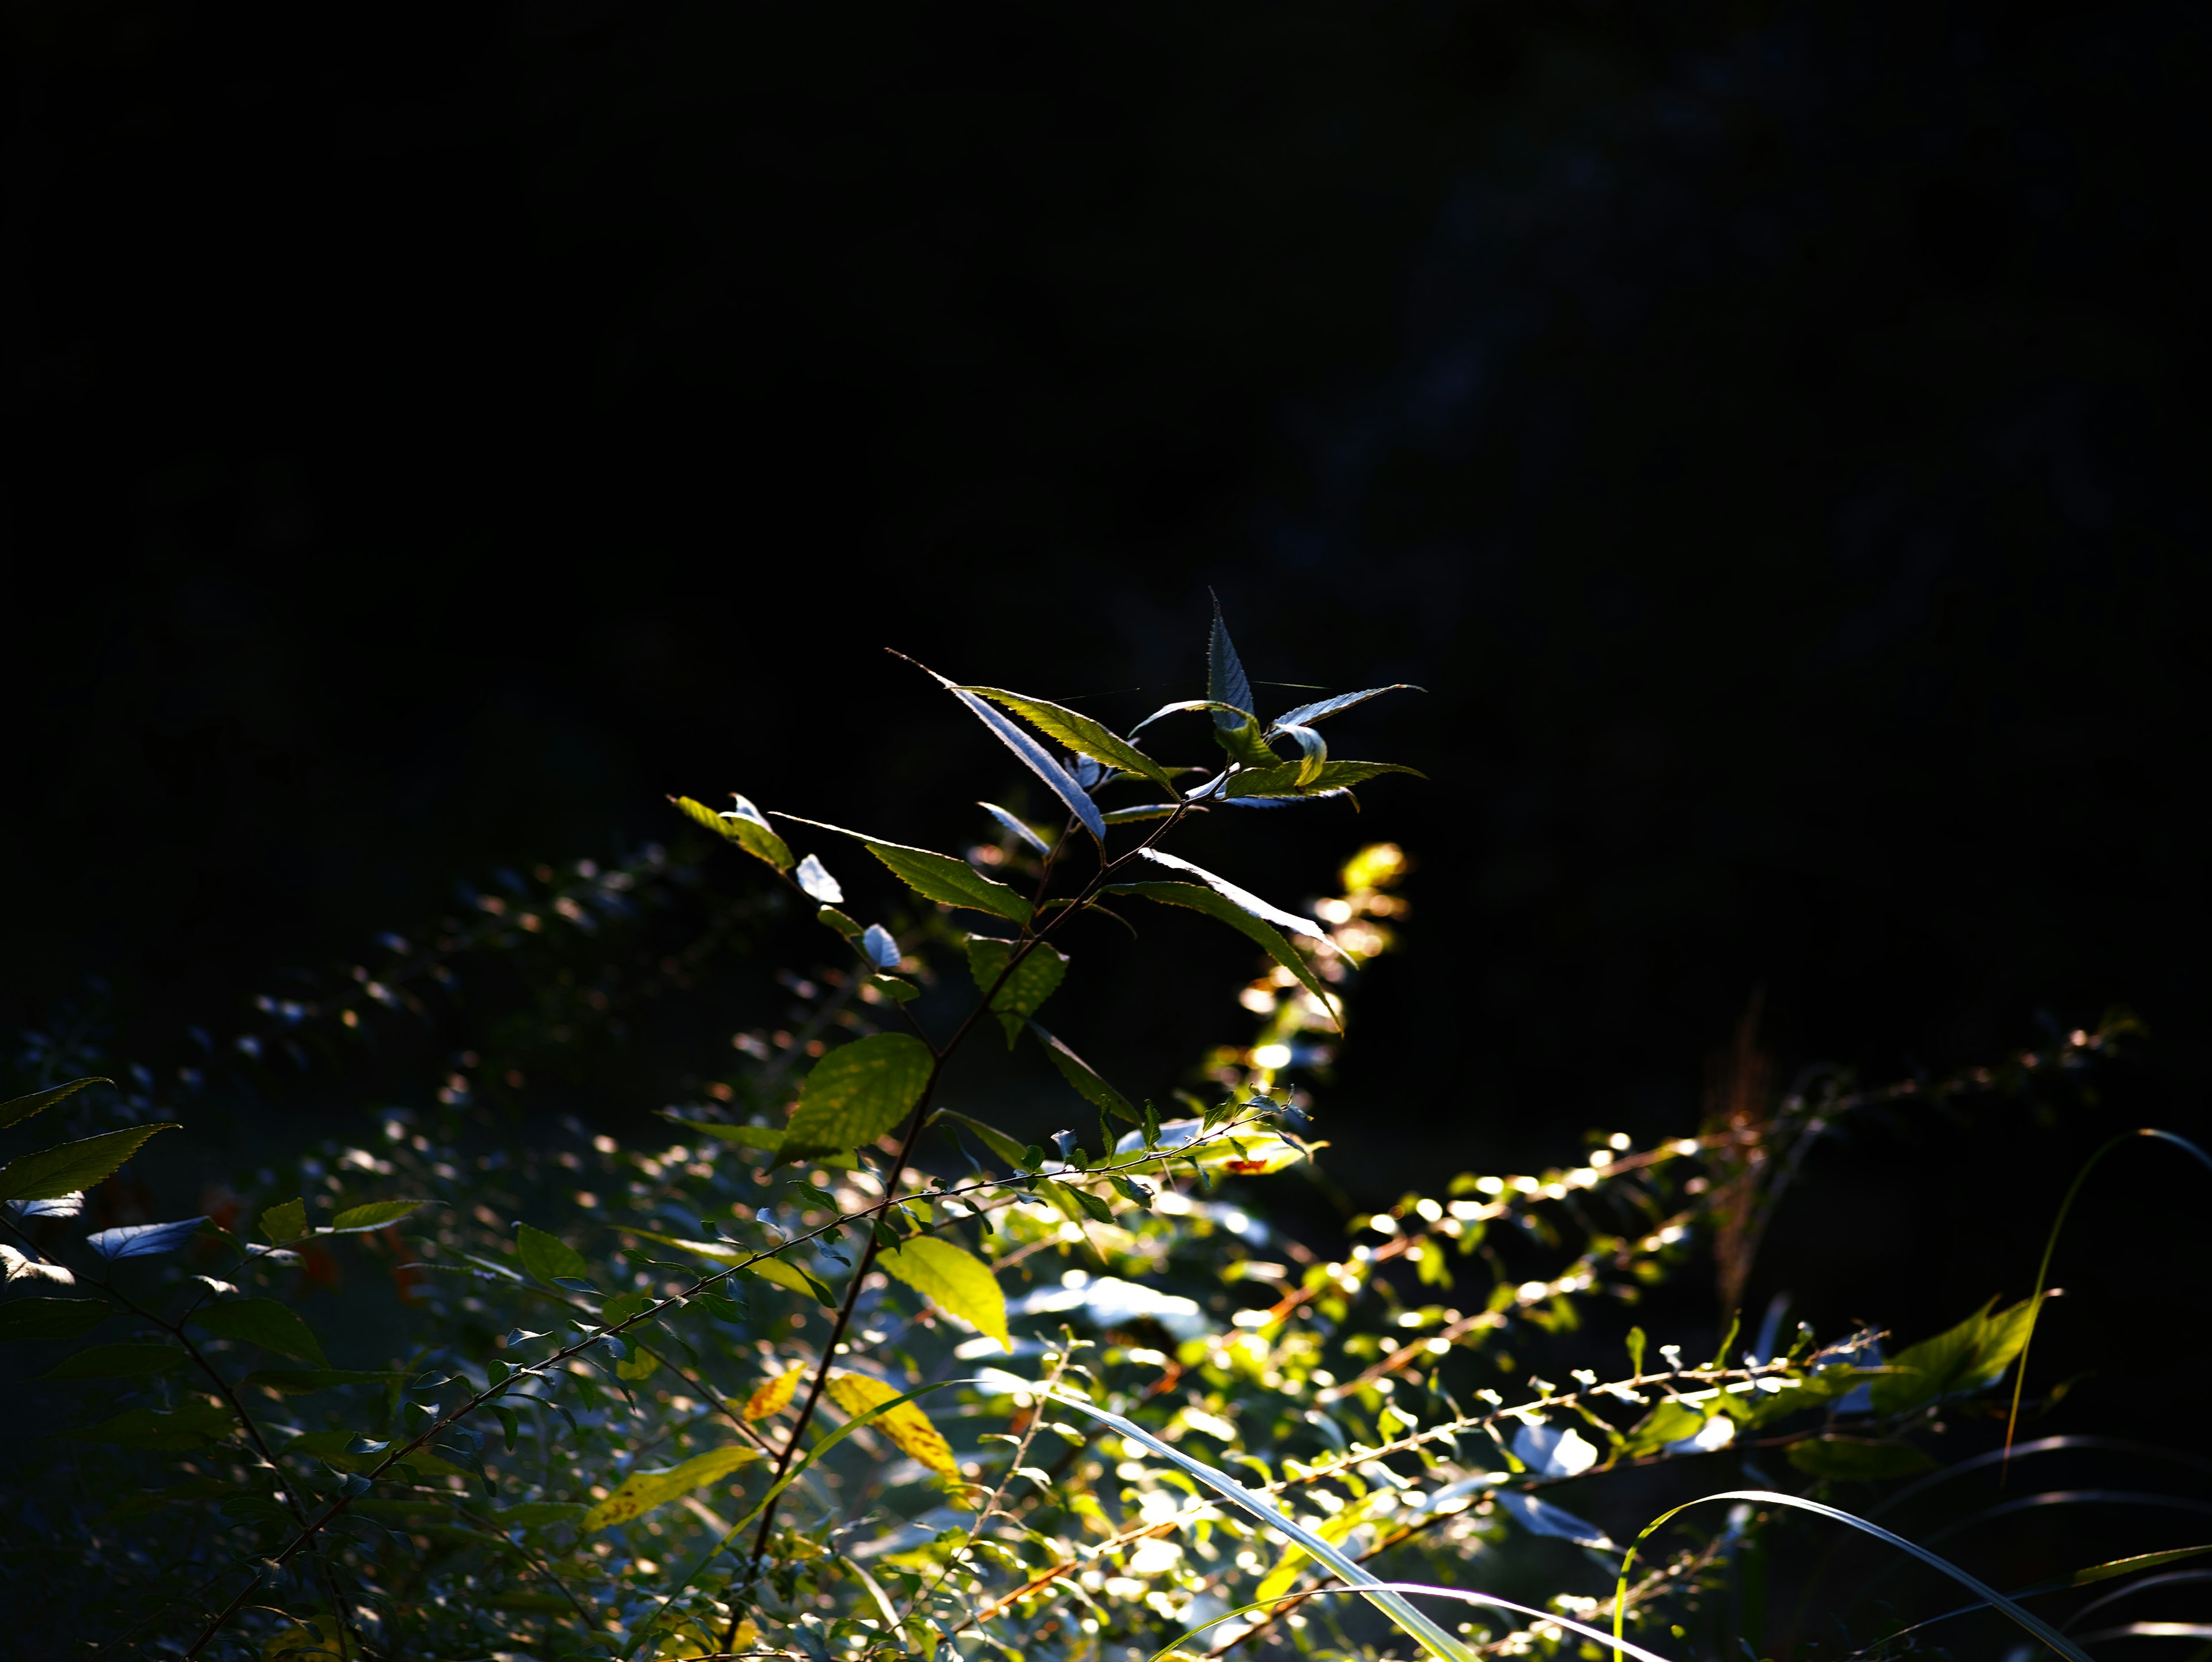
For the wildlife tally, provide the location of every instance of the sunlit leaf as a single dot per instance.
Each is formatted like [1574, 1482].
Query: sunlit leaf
[1282, 778]
[21, 1108]
[772, 1396]
[880, 947]
[1970, 1356]
[1225, 682]
[1017, 826]
[264, 1322]
[1032, 982]
[337, 1449]
[744, 825]
[1191, 706]
[1085, 1078]
[1215, 905]
[814, 877]
[836, 920]
[641, 1491]
[1851, 1458]
[856, 1093]
[993, 1139]
[1079, 732]
[1039, 761]
[952, 1278]
[549, 1258]
[1306, 715]
[143, 1240]
[1244, 898]
[934, 876]
[903, 1423]
[115, 1362]
[376, 1214]
[1313, 752]
[52, 1173]
[287, 1223]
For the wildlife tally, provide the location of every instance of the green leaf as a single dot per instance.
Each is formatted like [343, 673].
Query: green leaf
[264, 1321]
[1669, 1422]
[1225, 681]
[641, 1491]
[376, 1214]
[548, 1256]
[301, 1381]
[1968, 1357]
[1085, 1078]
[954, 1279]
[935, 876]
[1219, 906]
[21, 1108]
[1078, 732]
[992, 1138]
[792, 1279]
[115, 1362]
[898, 992]
[765, 1138]
[51, 1318]
[1039, 761]
[857, 1094]
[837, 921]
[540, 1514]
[744, 825]
[335, 1448]
[1306, 715]
[1020, 828]
[1850, 1458]
[190, 1427]
[1033, 980]
[1266, 911]
[284, 1223]
[52, 1173]
[1282, 778]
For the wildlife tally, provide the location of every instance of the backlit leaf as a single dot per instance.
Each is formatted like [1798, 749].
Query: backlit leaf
[744, 825]
[1031, 982]
[1973, 1354]
[1039, 761]
[814, 877]
[773, 1396]
[765, 1138]
[264, 1321]
[1078, 732]
[115, 1362]
[952, 1278]
[1215, 905]
[51, 1318]
[1225, 682]
[934, 876]
[836, 920]
[1244, 898]
[1313, 752]
[1282, 778]
[1018, 827]
[641, 1491]
[21, 1108]
[143, 1240]
[1306, 715]
[1088, 1084]
[905, 1424]
[376, 1214]
[52, 1173]
[856, 1093]
[284, 1223]
[881, 947]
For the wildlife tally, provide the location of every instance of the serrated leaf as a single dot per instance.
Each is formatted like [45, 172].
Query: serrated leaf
[51, 1318]
[21, 1108]
[856, 1093]
[1039, 761]
[641, 1491]
[376, 1214]
[192, 1426]
[772, 1396]
[1018, 827]
[1225, 682]
[1306, 715]
[1244, 898]
[284, 1223]
[548, 1256]
[1281, 779]
[300, 1381]
[954, 1279]
[935, 876]
[814, 877]
[1033, 980]
[1079, 732]
[115, 1362]
[51, 1173]
[1269, 938]
[1089, 1084]
[993, 1139]
[143, 1240]
[905, 1424]
[744, 825]
[1191, 706]
[264, 1322]
[1851, 1460]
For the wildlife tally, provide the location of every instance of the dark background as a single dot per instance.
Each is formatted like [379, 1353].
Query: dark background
[1775, 435]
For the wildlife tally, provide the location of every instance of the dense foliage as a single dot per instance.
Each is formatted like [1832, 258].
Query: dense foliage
[836, 1369]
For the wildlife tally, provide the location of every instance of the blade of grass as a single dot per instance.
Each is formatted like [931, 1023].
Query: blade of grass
[1465, 1595]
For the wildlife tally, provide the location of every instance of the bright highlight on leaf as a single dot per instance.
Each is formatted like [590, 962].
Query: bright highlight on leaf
[743, 825]
[641, 1491]
[21, 1108]
[1079, 732]
[1270, 940]
[934, 876]
[52, 1173]
[952, 1278]
[905, 1424]
[775, 1395]
[814, 877]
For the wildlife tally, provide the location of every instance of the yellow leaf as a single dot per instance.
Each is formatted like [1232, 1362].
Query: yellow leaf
[954, 1278]
[905, 1425]
[310, 1640]
[775, 1396]
[641, 1491]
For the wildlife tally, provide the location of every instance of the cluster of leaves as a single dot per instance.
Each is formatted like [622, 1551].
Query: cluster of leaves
[842, 1372]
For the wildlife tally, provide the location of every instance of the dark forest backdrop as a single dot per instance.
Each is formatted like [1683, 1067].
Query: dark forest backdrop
[1775, 435]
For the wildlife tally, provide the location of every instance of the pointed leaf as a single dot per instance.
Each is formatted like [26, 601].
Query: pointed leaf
[881, 947]
[376, 1214]
[1020, 830]
[1088, 1084]
[143, 1240]
[21, 1108]
[1225, 676]
[1242, 898]
[905, 1424]
[857, 1094]
[744, 825]
[1305, 715]
[954, 1279]
[1967, 1357]
[115, 1362]
[264, 1321]
[1032, 982]
[23, 1319]
[934, 876]
[641, 1491]
[287, 1223]
[1282, 778]
[1228, 911]
[993, 1139]
[548, 1256]
[773, 1396]
[1184, 706]
[1081, 734]
[51, 1172]
[814, 877]
[1313, 752]
[1040, 761]
[836, 920]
